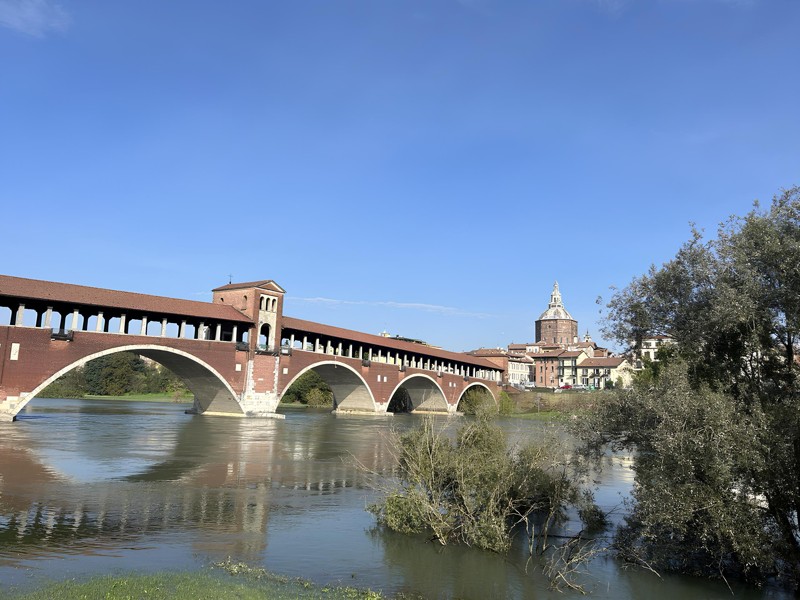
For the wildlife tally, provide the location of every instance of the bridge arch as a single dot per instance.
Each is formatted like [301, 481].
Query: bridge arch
[473, 385]
[211, 391]
[425, 394]
[350, 389]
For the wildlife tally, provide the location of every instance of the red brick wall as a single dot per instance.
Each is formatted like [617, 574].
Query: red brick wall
[40, 357]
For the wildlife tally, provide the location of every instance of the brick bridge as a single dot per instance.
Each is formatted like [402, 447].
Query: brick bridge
[237, 354]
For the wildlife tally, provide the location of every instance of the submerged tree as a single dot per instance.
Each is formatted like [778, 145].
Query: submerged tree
[717, 427]
[473, 489]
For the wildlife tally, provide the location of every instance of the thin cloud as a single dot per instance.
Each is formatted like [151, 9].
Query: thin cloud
[616, 7]
[447, 311]
[33, 17]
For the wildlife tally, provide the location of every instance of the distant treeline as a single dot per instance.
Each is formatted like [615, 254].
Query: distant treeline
[116, 375]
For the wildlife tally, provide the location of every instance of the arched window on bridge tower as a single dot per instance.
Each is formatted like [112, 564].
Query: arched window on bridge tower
[263, 336]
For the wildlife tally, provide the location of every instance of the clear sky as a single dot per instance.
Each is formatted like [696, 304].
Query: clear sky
[428, 167]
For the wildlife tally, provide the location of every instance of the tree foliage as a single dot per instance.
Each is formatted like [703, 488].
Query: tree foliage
[115, 375]
[475, 400]
[309, 389]
[473, 489]
[717, 424]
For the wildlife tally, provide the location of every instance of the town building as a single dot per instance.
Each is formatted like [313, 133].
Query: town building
[518, 367]
[600, 372]
[649, 349]
[558, 353]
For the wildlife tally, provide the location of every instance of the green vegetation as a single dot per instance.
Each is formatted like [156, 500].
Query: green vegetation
[476, 399]
[121, 375]
[544, 404]
[716, 421]
[505, 405]
[309, 389]
[235, 581]
[477, 491]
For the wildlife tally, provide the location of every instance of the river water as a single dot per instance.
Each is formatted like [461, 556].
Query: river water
[92, 486]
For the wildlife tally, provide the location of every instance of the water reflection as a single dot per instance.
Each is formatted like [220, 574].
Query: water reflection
[93, 486]
[102, 479]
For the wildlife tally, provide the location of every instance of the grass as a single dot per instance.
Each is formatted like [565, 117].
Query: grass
[545, 415]
[230, 581]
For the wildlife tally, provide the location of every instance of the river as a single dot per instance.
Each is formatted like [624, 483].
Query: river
[93, 486]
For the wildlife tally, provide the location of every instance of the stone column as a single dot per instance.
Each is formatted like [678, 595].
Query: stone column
[163, 328]
[182, 332]
[144, 326]
[201, 331]
[98, 327]
[18, 318]
[122, 323]
[235, 333]
[48, 317]
[218, 333]
[76, 316]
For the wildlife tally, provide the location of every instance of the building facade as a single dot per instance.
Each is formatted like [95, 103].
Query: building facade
[518, 367]
[600, 373]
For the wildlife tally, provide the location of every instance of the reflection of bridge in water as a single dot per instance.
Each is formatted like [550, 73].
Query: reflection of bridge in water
[221, 476]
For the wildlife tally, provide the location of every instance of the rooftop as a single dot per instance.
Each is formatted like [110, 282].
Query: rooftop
[20, 289]
[378, 341]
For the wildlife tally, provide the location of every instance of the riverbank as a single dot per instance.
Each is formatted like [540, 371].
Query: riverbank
[231, 581]
[547, 404]
[157, 397]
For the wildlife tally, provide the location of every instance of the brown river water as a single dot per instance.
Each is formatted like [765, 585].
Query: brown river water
[93, 486]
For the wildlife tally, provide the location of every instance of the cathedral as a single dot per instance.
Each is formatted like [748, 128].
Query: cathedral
[555, 325]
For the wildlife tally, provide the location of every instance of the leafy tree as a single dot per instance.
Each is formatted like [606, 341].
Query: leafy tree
[505, 405]
[475, 399]
[69, 385]
[116, 375]
[309, 389]
[113, 375]
[318, 398]
[717, 425]
[474, 489]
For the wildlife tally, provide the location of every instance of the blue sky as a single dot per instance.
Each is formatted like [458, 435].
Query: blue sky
[428, 167]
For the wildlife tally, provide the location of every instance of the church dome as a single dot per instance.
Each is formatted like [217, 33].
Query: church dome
[555, 310]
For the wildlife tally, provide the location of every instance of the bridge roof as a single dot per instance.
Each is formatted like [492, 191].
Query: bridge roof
[384, 342]
[79, 295]
[266, 284]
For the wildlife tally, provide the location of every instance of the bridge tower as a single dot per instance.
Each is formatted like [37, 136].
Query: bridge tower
[261, 301]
